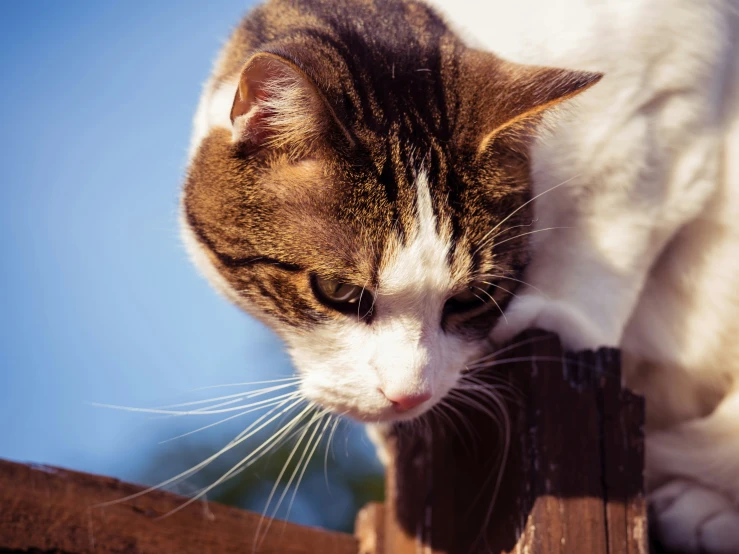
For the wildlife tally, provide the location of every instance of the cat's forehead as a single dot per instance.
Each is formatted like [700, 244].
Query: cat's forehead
[335, 218]
[408, 225]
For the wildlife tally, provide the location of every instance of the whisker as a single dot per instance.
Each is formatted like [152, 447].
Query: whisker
[305, 465]
[209, 459]
[283, 439]
[512, 279]
[501, 288]
[438, 410]
[490, 382]
[503, 459]
[504, 349]
[318, 420]
[465, 399]
[530, 233]
[257, 534]
[482, 300]
[360, 317]
[246, 384]
[522, 206]
[499, 388]
[239, 396]
[270, 441]
[494, 301]
[252, 410]
[199, 411]
[208, 409]
[513, 227]
[503, 422]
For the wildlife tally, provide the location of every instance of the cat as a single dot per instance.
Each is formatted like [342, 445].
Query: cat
[649, 260]
[380, 187]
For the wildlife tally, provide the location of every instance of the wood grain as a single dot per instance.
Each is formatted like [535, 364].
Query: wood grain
[50, 510]
[572, 482]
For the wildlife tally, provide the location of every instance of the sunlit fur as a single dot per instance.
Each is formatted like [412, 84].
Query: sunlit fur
[633, 243]
[349, 364]
[650, 257]
[298, 170]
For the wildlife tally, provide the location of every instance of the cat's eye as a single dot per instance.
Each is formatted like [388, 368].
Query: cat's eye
[343, 297]
[473, 296]
[336, 291]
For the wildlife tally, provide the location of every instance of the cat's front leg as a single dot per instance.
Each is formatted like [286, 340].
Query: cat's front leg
[696, 464]
[691, 518]
[535, 311]
[579, 290]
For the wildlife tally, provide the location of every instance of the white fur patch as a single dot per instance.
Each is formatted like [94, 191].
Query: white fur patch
[646, 254]
[348, 365]
[214, 110]
[693, 518]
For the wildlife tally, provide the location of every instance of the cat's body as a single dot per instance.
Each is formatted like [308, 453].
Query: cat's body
[395, 157]
[651, 262]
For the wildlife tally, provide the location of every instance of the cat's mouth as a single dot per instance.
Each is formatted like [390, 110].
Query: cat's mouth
[377, 408]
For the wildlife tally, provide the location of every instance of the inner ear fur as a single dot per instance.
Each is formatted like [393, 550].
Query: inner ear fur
[512, 98]
[278, 105]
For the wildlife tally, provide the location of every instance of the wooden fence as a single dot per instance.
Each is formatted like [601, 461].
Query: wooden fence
[572, 482]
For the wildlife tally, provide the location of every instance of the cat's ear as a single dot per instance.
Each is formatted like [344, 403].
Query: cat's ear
[278, 105]
[522, 94]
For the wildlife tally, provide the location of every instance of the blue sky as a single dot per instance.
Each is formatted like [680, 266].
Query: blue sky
[99, 302]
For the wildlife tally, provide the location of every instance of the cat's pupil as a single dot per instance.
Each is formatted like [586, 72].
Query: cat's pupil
[335, 291]
[344, 293]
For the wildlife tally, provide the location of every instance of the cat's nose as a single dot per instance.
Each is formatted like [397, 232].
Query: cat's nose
[405, 402]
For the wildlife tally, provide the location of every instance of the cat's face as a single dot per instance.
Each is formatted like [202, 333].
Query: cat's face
[381, 251]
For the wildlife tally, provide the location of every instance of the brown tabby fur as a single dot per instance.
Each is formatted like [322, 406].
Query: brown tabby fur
[392, 91]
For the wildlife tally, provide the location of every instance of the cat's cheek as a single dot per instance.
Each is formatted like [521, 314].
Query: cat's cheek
[534, 311]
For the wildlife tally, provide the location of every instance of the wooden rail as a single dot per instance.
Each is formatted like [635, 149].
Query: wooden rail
[48, 510]
[572, 482]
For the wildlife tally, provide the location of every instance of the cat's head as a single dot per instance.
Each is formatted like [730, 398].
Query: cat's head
[369, 208]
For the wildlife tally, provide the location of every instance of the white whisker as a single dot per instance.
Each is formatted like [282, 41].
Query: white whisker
[209, 459]
[507, 348]
[239, 395]
[511, 279]
[494, 301]
[530, 233]
[305, 465]
[522, 206]
[270, 441]
[252, 410]
[501, 288]
[199, 411]
[317, 419]
[246, 384]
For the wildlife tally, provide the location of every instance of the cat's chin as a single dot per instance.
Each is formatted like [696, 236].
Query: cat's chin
[387, 416]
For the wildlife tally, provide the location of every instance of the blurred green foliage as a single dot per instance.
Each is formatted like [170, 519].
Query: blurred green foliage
[335, 485]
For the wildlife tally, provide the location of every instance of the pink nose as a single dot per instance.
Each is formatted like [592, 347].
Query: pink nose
[403, 403]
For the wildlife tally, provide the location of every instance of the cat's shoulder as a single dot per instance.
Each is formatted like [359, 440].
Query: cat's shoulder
[602, 35]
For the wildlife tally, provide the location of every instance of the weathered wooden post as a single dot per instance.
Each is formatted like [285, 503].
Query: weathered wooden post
[572, 482]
